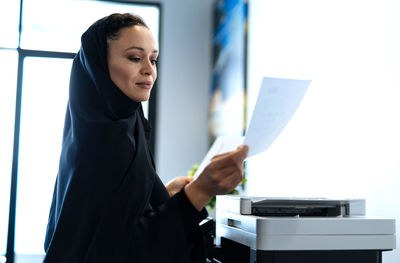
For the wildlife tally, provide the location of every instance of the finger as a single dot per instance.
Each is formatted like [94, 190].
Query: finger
[230, 182]
[220, 155]
[223, 168]
[218, 171]
[241, 152]
[239, 155]
[226, 162]
[239, 148]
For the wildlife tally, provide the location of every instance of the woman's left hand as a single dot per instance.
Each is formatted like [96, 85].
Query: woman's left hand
[177, 184]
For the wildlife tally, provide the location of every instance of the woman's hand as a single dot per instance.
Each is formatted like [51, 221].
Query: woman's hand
[177, 184]
[220, 176]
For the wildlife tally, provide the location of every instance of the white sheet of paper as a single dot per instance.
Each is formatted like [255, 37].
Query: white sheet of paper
[222, 144]
[277, 101]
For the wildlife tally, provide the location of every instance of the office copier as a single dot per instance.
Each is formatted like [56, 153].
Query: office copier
[297, 230]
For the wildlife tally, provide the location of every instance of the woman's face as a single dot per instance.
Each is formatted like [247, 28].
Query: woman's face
[132, 62]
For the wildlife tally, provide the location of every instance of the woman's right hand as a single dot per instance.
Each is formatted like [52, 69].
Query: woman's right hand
[220, 176]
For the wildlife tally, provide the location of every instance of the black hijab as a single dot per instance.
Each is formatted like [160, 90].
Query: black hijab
[106, 172]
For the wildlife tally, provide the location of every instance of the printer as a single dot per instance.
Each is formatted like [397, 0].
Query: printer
[297, 230]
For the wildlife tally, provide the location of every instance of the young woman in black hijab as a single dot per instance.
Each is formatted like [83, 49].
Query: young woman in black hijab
[109, 205]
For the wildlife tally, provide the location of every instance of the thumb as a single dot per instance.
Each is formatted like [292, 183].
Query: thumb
[242, 152]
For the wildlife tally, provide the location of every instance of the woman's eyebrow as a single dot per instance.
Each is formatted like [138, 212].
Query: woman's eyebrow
[140, 49]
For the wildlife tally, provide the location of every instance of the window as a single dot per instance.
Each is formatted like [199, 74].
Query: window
[69, 19]
[35, 62]
[44, 100]
[9, 22]
[8, 82]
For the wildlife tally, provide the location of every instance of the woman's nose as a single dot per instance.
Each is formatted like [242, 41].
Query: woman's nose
[148, 68]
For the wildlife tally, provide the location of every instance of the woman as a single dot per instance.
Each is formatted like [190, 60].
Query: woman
[109, 205]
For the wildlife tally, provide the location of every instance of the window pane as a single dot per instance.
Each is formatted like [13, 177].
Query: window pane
[58, 25]
[44, 100]
[8, 84]
[9, 22]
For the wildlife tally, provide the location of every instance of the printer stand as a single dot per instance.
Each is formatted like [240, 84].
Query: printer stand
[232, 252]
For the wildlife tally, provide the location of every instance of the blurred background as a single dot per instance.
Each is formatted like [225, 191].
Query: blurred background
[343, 141]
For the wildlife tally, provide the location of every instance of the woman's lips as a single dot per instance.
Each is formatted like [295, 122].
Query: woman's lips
[145, 84]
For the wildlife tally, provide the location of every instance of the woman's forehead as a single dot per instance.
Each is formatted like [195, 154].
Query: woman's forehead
[136, 36]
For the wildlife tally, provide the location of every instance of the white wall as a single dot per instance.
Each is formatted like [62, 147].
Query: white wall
[184, 84]
[344, 140]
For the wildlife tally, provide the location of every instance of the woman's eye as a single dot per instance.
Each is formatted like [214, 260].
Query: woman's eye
[134, 59]
[154, 61]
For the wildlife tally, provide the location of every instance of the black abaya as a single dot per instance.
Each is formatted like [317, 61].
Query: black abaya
[109, 205]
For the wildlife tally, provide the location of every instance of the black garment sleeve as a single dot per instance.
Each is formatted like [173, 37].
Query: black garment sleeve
[191, 217]
[160, 195]
[169, 233]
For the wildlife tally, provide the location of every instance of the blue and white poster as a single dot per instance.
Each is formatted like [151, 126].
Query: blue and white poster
[228, 92]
